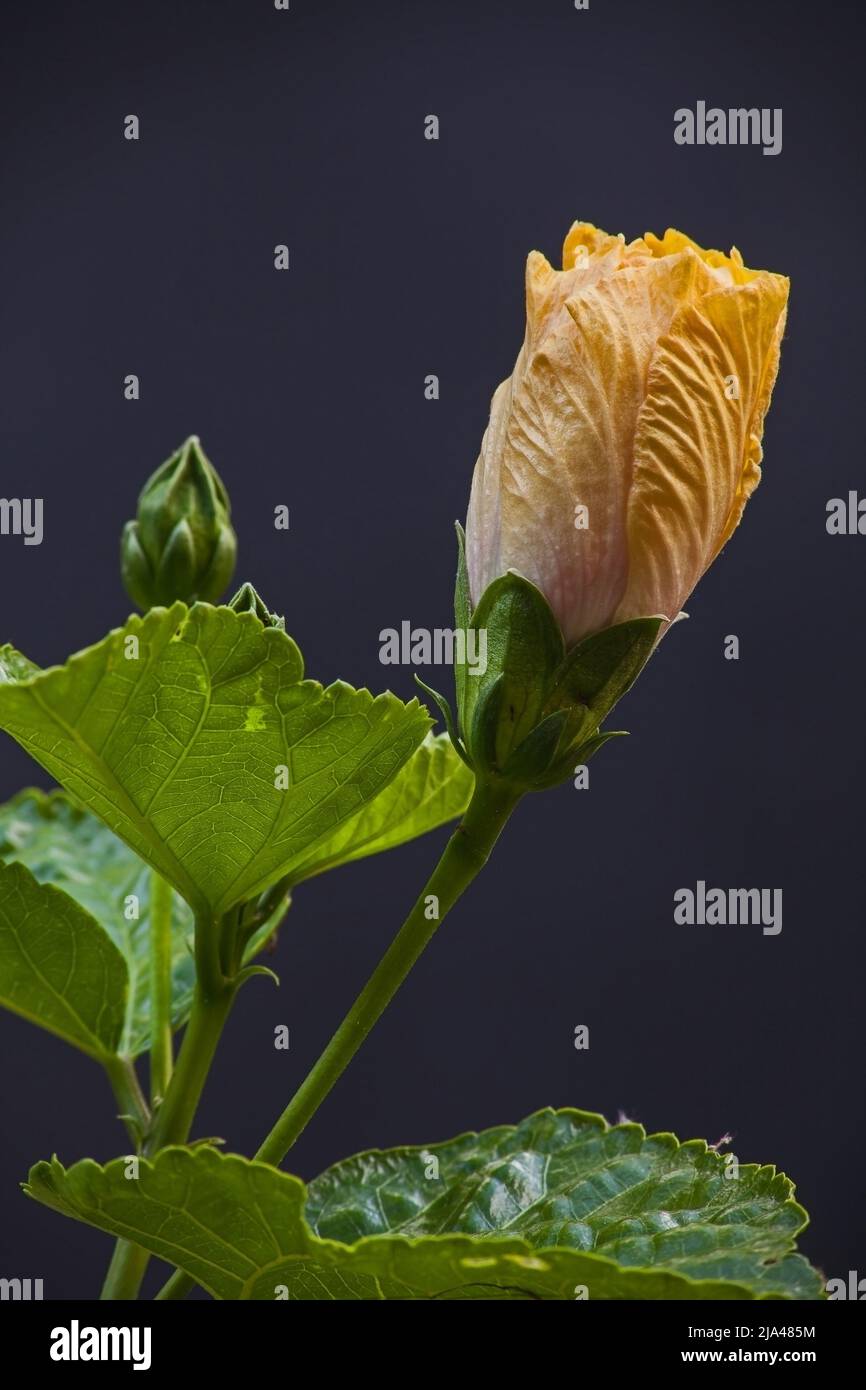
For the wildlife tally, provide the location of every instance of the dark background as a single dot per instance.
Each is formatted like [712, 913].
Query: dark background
[156, 257]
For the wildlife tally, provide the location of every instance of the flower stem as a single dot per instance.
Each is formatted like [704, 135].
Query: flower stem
[465, 855]
[161, 1059]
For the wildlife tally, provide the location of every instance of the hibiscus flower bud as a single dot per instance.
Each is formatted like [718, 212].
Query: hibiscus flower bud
[181, 545]
[624, 446]
[249, 600]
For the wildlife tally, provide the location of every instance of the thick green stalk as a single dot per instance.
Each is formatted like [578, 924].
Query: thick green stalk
[172, 1120]
[465, 855]
[125, 1273]
[129, 1261]
[161, 1058]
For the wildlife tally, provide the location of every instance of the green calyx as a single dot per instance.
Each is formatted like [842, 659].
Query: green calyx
[249, 600]
[528, 711]
[181, 546]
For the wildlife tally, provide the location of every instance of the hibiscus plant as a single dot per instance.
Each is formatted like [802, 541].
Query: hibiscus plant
[202, 777]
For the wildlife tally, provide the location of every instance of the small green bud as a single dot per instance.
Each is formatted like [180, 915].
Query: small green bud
[181, 545]
[249, 600]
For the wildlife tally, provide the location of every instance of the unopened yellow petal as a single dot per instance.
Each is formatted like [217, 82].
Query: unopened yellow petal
[561, 432]
[697, 441]
[623, 448]
[674, 242]
[584, 240]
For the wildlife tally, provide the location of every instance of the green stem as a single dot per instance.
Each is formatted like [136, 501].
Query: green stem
[172, 1120]
[129, 1261]
[125, 1273]
[129, 1096]
[160, 986]
[465, 855]
[176, 1287]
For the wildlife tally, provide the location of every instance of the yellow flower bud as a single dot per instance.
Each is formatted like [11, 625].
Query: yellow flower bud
[623, 448]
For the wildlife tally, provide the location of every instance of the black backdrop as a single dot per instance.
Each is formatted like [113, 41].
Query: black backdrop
[306, 128]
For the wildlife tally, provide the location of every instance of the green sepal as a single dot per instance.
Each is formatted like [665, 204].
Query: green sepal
[135, 569]
[486, 721]
[462, 615]
[249, 600]
[448, 717]
[601, 668]
[534, 756]
[252, 972]
[586, 750]
[564, 768]
[536, 710]
[524, 649]
[219, 573]
[177, 569]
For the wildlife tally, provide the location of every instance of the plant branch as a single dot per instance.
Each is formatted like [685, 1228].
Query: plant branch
[161, 1053]
[129, 1261]
[173, 1117]
[129, 1096]
[173, 1120]
[465, 855]
[125, 1273]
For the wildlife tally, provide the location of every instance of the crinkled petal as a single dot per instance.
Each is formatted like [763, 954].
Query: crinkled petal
[561, 432]
[697, 448]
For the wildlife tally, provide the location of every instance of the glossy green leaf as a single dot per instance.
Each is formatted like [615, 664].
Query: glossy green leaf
[566, 1180]
[64, 845]
[433, 787]
[560, 1206]
[57, 966]
[193, 736]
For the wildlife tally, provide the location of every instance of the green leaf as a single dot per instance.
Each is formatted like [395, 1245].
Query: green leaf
[14, 666]
[567, 1181]
[174, 729]
[64, 845]
[433, 787]
[57, 966]
[543, 1209]
[237, 1227]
